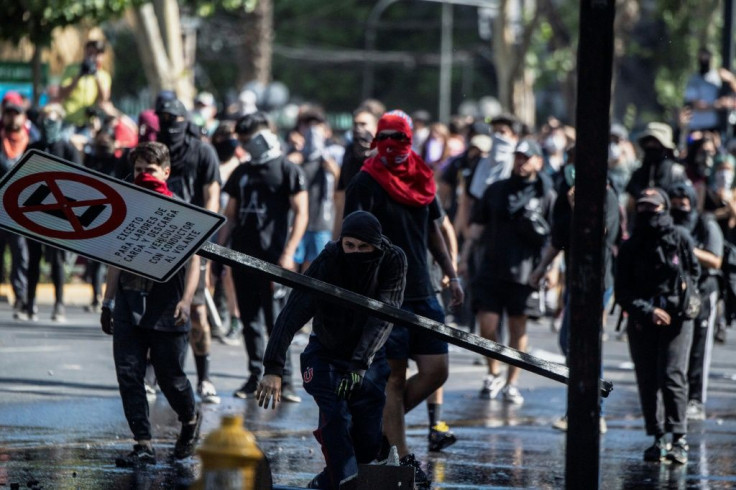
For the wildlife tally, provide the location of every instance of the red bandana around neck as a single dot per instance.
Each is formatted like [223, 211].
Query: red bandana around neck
[152, 183]
[397, 168]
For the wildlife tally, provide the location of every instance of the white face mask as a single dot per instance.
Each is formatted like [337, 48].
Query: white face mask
[263, 147]
[724, 179]
[614, 152]
[555, 144]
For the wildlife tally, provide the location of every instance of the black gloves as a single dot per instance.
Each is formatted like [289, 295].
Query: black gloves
[349, 384]
[106, 320]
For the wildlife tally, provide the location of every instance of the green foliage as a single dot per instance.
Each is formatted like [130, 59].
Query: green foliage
[36, 19]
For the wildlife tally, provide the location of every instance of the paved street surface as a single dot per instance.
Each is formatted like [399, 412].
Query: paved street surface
[62, 424]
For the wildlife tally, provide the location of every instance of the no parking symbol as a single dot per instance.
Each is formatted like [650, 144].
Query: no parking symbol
[75, 219]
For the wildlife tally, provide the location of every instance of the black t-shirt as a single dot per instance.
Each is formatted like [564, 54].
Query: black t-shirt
[507, 254]
[405, 226]
[263, 193]
[562, 229]
[192, 168]
[351, 165]
[320, 186]
[149, 304]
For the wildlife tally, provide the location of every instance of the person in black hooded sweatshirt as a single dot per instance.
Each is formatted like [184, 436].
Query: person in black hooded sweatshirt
[344, 365]
[708, 239]
[652, 267]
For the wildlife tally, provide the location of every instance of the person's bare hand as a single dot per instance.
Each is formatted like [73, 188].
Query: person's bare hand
[181, 312]
[661, 317]
[458, 295]
[269, 389]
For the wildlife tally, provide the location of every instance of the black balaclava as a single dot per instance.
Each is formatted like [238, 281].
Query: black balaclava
[359, 269]
[172, 133]
[686, 219]
[655, 223]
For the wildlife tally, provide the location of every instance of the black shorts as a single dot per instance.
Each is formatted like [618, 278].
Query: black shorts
[500, 296]
[406, 342]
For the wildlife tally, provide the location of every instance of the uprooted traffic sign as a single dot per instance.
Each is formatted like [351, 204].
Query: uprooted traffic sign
[77, 209]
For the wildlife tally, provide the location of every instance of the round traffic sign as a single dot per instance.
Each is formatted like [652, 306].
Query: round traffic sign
[64, 206]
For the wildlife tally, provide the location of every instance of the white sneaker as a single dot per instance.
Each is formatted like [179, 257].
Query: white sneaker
[492, 385]
[207, 392]
[512, 395]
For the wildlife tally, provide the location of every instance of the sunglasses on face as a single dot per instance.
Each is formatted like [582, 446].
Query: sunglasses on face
[393, 136]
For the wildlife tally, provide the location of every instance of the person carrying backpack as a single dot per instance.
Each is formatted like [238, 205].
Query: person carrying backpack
[656, 285]
[708, 239]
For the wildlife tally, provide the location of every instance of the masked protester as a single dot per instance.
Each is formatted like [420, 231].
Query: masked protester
[194, 178]
[262, 192]
[230, 154]
[708, 240]
[53, 142]
[702, 92]
[344, 365]
[658, 169]
[152, 318]
[655, 284]
[356, 152]
[509, 226]
[399, 189]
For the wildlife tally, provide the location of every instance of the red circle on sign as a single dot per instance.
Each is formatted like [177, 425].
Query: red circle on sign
[19, 214]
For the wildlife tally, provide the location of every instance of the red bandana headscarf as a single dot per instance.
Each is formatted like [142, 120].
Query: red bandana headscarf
[152, 183]
[397, 168]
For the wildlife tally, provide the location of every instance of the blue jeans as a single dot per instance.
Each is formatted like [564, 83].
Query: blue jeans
[349, 431]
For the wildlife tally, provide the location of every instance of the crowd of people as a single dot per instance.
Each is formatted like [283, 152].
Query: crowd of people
[466, 223]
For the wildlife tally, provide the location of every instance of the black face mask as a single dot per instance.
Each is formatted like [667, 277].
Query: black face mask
[684, 218]
[704, 67]
[653, 156]
[652, 222]
[362, 139]
[359, 268]
[173, 132]
[225, 149]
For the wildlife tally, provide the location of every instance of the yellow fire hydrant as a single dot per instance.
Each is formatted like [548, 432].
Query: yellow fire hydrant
[230, 457]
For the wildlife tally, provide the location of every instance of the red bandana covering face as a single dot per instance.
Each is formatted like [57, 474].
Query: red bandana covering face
[152, 183]
[399, 170]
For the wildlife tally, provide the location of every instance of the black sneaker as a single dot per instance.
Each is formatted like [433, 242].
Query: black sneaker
[289, 395]
[140, 456]
[440, 437]
[59, 313]
[678, 453]
[421, 479]
[184, 446]
[657, 452]
[248, 388]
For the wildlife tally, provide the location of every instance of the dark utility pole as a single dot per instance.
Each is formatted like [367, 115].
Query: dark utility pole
[592, 119]
[727, 37]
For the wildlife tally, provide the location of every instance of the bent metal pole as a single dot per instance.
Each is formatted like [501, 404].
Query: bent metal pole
[454, 336]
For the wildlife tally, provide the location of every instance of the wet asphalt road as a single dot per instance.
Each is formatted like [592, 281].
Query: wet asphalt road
[62, 424]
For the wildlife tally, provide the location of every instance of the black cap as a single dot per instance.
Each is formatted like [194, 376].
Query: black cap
[652, 196]
[171, 106]
[363, 226]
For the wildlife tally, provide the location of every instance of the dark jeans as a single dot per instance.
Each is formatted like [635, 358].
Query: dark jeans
[19, 266]
[131, 346]
[349, 431]
[257, 307]
[55, 257]
[703, 337]
[660, 355]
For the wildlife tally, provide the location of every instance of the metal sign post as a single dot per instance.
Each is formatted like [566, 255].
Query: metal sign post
[595, 60]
